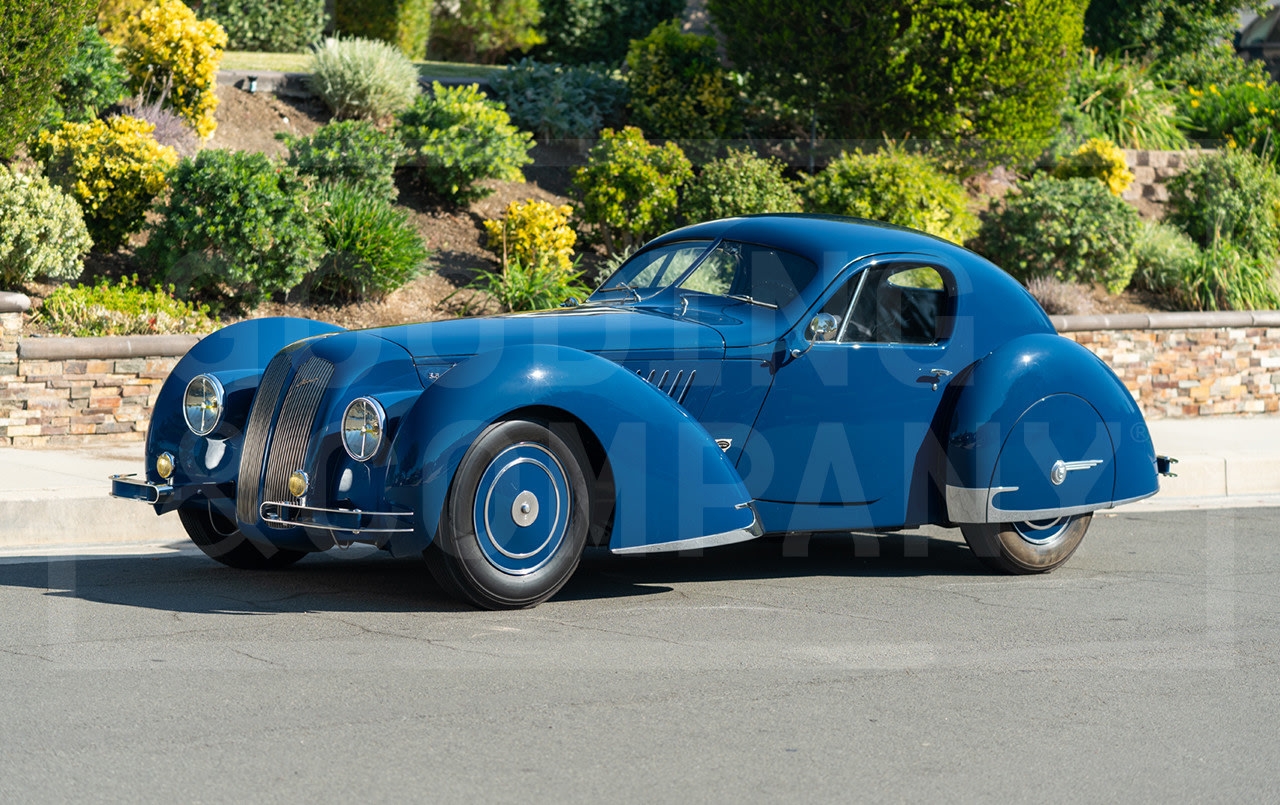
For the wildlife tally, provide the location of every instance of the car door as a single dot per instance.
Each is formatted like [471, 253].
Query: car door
[844, 435]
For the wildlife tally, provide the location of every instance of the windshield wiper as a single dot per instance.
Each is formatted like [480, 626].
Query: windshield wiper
[621, 286]
[741, 297]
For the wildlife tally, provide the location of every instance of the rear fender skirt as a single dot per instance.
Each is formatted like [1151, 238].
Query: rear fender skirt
[1037, 401]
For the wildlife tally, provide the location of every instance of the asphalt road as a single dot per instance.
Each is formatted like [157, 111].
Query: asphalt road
[888, 668]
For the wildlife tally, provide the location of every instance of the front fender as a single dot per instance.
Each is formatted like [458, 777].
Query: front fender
[237, 355]
[1035, 401]
[673, 486]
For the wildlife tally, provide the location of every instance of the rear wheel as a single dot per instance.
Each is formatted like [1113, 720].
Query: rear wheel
[1028, 547]
[517, 515]
[220, 539]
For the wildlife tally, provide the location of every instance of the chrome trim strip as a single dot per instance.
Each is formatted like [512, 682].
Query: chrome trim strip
[710, 541]
[126, 487]
[964, 506]
[967, 505]
[272, 511]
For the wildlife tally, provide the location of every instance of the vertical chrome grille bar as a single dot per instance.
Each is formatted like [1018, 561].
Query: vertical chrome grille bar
[256, 432]
[294, 427]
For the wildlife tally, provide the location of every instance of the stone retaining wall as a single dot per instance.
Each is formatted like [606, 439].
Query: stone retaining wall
[1151, 172]
[78, 391]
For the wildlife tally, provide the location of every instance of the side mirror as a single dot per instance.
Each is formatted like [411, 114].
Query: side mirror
[572, 301]
[824, 327]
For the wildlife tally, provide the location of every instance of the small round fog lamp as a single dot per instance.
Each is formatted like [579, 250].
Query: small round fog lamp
[164, 465]
[299, 483]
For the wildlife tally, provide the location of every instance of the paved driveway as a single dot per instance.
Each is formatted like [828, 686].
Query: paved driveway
[876, 668]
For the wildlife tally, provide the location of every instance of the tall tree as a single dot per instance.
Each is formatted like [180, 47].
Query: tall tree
[1161, 29]
[36, 39]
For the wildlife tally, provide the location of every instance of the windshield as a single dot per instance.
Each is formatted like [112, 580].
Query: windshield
[651, 271]
[754, 274]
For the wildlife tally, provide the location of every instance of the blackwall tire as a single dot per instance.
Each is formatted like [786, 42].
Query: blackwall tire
[222, 541]
[517, 515]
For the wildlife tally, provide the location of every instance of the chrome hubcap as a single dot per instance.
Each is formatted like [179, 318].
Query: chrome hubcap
[1042, 532]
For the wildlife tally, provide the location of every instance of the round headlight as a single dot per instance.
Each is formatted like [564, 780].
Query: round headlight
[202, 404]
[363, 424]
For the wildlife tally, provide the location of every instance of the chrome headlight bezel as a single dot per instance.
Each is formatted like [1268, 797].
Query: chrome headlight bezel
[203, 394]
[364, 424]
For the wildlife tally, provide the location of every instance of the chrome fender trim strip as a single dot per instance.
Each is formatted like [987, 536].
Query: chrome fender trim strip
[710, 541]
[965, 505]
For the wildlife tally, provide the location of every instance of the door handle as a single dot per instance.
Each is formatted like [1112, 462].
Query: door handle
[938, 374]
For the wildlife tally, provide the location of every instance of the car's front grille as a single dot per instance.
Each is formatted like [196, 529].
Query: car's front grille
[294, 428]
[283, 451]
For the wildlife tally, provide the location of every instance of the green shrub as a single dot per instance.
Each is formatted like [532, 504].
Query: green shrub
[370, 247]
[42, 232]
[171, 52]
[1163, 255]
[363, 78]
[235, 229]
[484, 30]
[629, 188]
[539, 286]
[1160, 29]
[36, 41]
[599, 31]
[1118, 100]
[93, 80]
[406, 24]
[1097, 159]
[1071, 229]
[896, 187]
[278, 26]
[1217, 64]
[1227, 277]
[930, 69]
[122, 308]
[457, 137]
[113, 168]
[678, 88]
[1231, 195]
[535, 233]
[353, 151]
[555, 101]
[1245, 115]
[739, 184]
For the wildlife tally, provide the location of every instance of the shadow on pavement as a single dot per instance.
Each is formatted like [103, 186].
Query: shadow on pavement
[331, 582]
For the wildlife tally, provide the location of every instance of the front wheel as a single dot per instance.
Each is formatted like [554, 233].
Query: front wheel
[220, 539]
[517, 515]
[1029, 547]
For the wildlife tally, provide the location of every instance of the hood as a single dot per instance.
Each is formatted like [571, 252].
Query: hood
[590, 328]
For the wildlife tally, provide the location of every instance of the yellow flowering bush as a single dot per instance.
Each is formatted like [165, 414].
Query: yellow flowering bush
[1098, 159]
[116, 18]
[535, 233]
[169, 49]
[112, 168]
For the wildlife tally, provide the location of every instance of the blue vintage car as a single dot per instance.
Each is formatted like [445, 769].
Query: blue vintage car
[749, 376]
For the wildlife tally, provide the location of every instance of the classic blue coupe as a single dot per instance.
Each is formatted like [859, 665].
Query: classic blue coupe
[749, 376]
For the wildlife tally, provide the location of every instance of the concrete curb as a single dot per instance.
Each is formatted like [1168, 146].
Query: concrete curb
[295, 84]
[1168, 321]
[59, 348]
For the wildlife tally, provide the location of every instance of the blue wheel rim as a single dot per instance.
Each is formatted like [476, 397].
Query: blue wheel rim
[522, 507]
[1042, 532]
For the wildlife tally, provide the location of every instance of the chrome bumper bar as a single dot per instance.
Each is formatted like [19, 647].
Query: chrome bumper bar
[130, 487]
[353, 520]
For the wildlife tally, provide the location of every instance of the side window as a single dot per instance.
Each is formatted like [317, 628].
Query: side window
[901, 303]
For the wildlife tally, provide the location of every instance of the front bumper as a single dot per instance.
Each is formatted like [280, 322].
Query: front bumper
[130, 487]
[354, 521]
